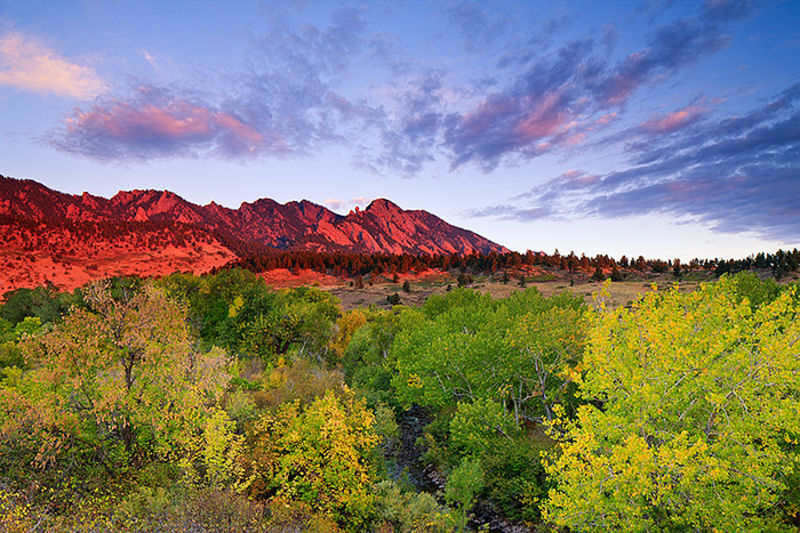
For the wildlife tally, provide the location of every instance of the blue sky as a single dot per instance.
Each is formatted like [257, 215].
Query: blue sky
[667, 129]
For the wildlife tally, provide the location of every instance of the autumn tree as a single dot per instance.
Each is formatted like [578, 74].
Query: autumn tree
[318, 456]
[346, 326]
[692, 418]
[116, 384]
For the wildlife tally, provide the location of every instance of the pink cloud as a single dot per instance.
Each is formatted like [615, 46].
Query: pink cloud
[577, 178]
[156, 124]
[675, 120]
[237, 128]
[340, 205]
[606, 119]
[487, 113]
[543, 120]
[123, 121]
[28, 65]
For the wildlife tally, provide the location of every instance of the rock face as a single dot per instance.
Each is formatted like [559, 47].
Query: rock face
[382, 227]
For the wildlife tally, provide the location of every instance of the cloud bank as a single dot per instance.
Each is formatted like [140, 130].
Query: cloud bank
[736, 174]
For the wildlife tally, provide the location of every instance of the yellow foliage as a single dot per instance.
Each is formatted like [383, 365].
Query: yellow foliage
[699, 395]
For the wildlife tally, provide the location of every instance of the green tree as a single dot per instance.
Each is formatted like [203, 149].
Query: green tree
[521, 351]
[411, 511]
[365, 362]
[692, 422]
[476, 427]
[44, 302]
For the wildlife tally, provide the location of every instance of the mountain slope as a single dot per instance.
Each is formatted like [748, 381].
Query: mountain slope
[104, 236]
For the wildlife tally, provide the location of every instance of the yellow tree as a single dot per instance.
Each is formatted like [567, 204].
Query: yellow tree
[318, 456]
[346, 326]
[694, 419]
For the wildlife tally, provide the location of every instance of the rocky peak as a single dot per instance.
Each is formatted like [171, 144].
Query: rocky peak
[383, 207]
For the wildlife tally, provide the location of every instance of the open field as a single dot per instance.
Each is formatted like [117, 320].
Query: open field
[620, 293]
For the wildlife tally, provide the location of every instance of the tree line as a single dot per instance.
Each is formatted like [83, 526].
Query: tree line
[353, 264]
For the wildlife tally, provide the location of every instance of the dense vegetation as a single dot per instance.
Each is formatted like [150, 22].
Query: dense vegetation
[213, 403]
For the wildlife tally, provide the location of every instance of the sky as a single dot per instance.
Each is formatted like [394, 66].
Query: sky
[669, 129]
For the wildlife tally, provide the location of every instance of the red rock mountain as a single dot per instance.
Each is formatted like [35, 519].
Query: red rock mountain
[156, 232]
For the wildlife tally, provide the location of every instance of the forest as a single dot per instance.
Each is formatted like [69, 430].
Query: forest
[778, 264]
[215, 403]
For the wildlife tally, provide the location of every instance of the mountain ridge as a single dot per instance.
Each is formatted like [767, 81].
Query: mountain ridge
[74, 229]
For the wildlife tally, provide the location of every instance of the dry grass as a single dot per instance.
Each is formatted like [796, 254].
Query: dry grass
[620, 293]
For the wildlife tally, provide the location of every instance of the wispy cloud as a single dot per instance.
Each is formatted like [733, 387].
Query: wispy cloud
[558, 97]
[670, 47]
[27, 64]
[674, 121]
[737, 174]
[478, 27]
[728, 9]
[150, 58]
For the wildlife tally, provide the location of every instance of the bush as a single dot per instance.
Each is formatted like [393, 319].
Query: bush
[410, 512]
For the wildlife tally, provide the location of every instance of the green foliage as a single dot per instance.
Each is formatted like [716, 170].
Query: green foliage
[44, 302]
[477, 426]
[6, 330]
[746, 285]
[700, 394]
[520, 352]
[29, 325]
[365, 359]
[235, 309]
[10, 352]
[463, 487]
[516, 481]
[210, 300]
[11, 355]
[269, 324]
